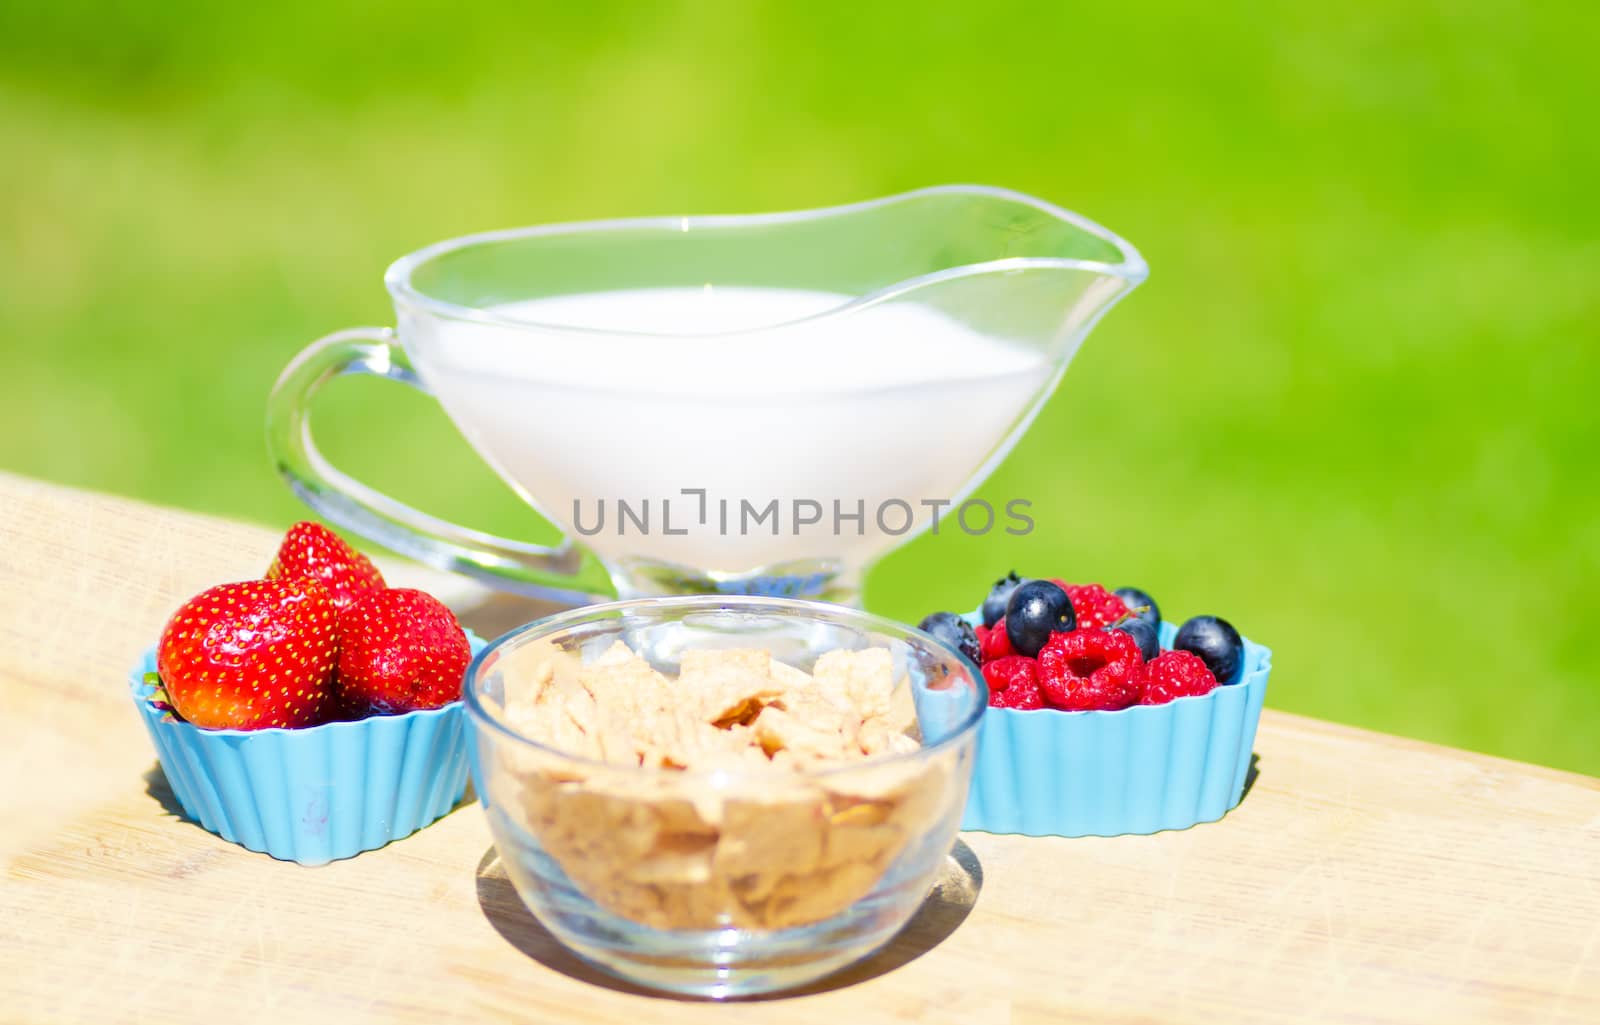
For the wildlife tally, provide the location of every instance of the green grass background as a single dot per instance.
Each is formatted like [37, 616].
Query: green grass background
[1353, 409]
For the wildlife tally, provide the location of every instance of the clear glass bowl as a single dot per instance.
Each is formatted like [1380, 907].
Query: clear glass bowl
[724, 883]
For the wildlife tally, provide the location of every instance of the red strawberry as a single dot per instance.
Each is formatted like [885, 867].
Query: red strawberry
[1013, 682]
[1176, 674]
[250, 656]
[400, 649]
[1091, 669]
[1095, 606]
[312, 550]
[995, 642]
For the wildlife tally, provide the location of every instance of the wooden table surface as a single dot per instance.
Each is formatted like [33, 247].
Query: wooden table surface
[1364, 878]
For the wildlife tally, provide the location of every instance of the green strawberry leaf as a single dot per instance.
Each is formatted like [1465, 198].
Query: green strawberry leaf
[158, 690]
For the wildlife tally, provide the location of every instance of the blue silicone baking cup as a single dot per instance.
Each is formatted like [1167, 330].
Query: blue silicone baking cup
[1143, 769]
[318, 794]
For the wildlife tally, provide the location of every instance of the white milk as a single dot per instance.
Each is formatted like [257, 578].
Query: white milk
[897, 401]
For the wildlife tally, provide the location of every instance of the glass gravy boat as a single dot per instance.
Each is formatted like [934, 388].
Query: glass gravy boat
[755, 404]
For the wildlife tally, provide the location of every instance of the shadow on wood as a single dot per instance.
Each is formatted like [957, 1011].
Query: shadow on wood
[944, 909]
[156, 785]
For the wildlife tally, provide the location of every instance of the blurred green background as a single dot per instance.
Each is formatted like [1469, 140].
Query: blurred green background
[1353, 410]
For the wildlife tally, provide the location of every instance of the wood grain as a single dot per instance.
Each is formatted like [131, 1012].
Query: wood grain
[1365, 878]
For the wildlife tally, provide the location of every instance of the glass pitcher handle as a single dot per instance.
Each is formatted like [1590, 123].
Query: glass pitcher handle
[533, 569]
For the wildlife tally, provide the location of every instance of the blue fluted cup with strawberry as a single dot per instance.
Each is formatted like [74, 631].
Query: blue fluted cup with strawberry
[312, 714]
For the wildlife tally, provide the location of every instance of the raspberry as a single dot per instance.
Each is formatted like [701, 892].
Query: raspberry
[995, 643]
[1013, 682]
[1176, 674]
[1095, 606]
[1023, 699]
[1091, 669]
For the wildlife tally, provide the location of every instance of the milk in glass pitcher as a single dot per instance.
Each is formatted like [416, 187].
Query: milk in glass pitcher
[737, 404]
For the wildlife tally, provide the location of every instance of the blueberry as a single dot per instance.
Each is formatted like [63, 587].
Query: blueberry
[994, 606]
[1135, 598]
[1035, 610]
[1144, 635]
[1216, 642]
[954, 631]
